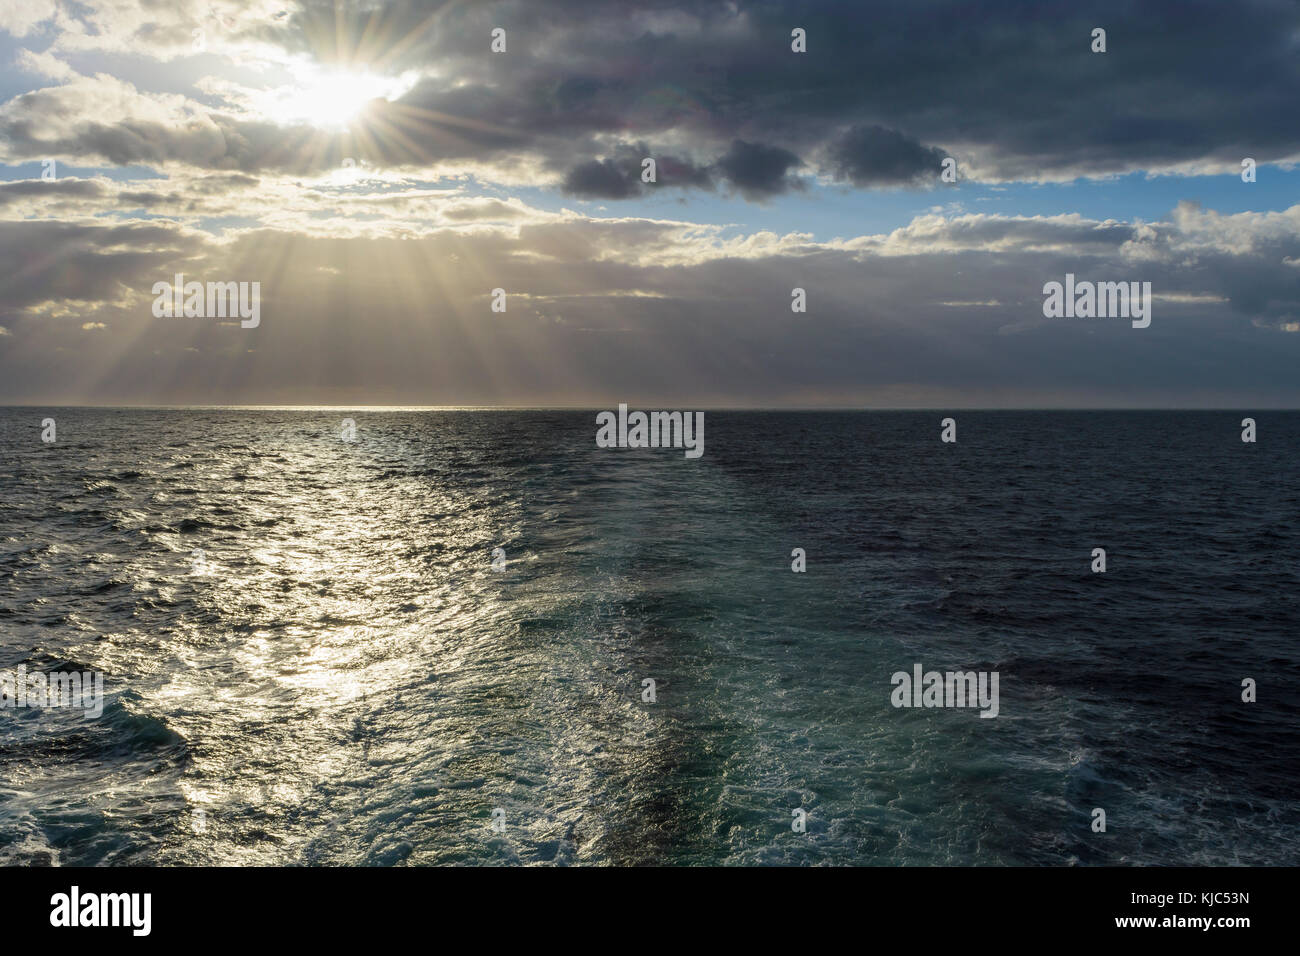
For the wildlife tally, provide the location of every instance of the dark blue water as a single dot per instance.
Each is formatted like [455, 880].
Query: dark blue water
[310, 658]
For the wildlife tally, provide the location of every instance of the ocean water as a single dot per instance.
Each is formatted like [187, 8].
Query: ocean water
[310, 659]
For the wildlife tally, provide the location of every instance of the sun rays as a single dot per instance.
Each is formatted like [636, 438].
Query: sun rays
[329, 99]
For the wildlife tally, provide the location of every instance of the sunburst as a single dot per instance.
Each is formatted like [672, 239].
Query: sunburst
[329, 99]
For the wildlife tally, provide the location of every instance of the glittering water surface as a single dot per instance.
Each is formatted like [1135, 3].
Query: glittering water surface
[310, 659]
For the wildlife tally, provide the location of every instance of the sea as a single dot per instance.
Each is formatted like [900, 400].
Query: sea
[473, 637]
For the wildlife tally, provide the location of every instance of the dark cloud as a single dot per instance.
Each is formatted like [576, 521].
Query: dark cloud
[61, 262]
[1011, 88]
[601, 179]
[81, 189]
[1014, 82]
[875, 156]
[620, 177]
[757, 170]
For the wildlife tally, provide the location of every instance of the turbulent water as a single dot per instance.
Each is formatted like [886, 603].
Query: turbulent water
[309, 657]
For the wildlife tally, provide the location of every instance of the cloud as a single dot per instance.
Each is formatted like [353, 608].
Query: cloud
[77, 190]
[68, 263]
[875, 156]
[620, 177]
[601, 179]
[44, 64]
[1018, 95]
[589, 300]
[758, 171]
[20, 17]
[374, 277]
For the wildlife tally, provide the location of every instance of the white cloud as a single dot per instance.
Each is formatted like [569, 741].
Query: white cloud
[20, 16]
[46, 65]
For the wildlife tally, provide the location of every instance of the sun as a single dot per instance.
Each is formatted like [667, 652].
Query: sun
[329, 99]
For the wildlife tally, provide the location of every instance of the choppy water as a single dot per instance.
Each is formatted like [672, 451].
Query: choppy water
[344, 679]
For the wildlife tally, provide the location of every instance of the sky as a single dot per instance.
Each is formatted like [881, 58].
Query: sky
[379, 169]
